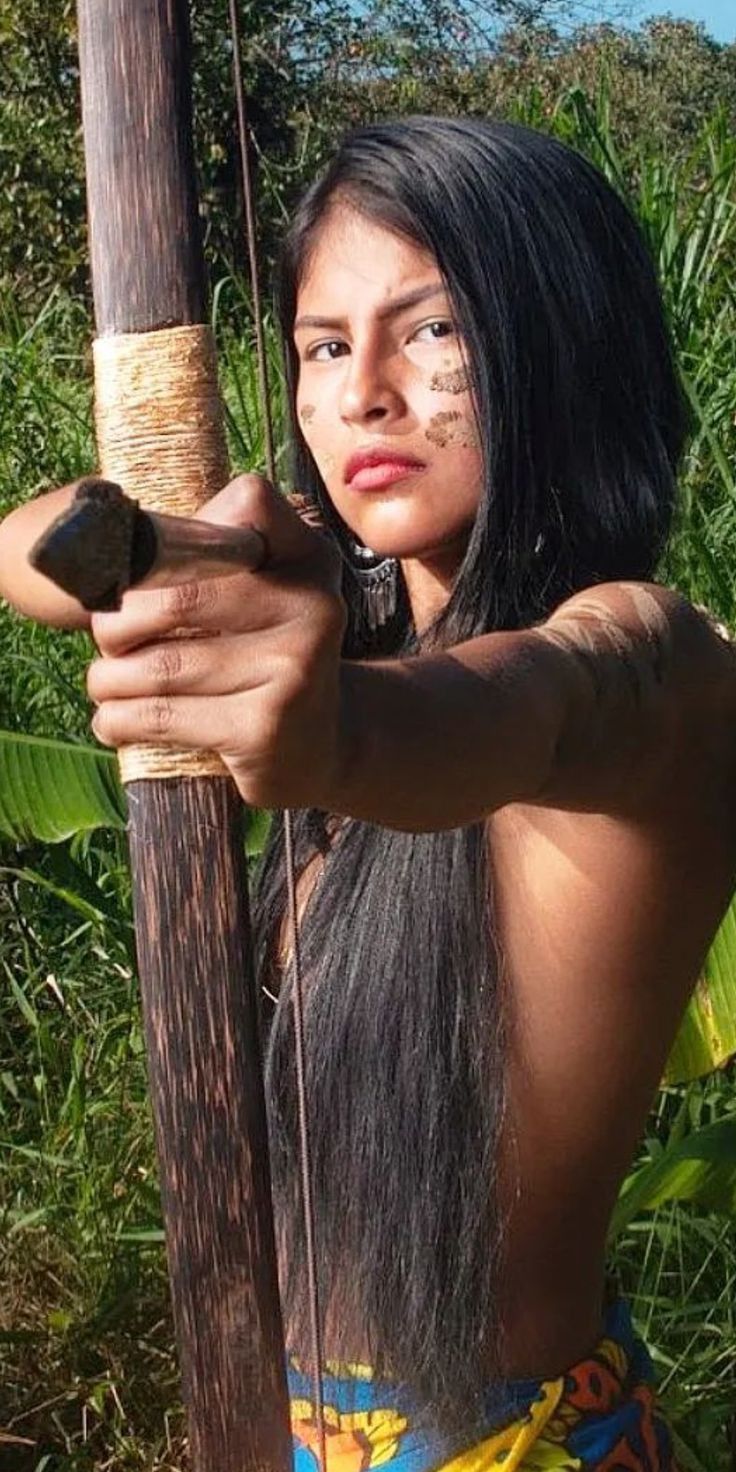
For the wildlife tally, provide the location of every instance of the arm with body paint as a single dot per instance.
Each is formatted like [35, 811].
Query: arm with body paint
[587, 711]
[580, 712]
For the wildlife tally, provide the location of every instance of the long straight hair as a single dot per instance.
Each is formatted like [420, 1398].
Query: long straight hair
[581, 423]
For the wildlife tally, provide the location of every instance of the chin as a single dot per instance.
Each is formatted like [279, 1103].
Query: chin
[395, 528]
[404, 549]
[411, 548]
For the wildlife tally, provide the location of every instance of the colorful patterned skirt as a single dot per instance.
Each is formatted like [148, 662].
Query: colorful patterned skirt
[600, 1417]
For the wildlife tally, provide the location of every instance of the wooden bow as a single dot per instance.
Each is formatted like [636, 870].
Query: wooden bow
[186, 833]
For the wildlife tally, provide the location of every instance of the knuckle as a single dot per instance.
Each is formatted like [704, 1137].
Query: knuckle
[102, 725]
[102, 629]
[167, 664]
[187, 600]
[247, 495]
[160, 715]
[266, 739]
[323, 628]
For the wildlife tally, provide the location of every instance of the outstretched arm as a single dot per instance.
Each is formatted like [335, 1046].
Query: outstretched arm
[596, 709]
[583, 712]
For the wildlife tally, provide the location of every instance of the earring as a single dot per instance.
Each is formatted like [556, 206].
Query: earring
[377, 579]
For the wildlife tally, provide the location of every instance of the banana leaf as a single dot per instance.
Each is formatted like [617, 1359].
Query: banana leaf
[707, 1034]
[50, 790]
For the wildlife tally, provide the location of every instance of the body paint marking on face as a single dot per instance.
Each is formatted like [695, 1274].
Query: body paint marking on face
[307, 413]
[450, 427]
[456, 381]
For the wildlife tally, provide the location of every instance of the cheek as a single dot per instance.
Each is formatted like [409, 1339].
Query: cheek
[453, 428]
[452, 435]
[317, 434]
[450, 379]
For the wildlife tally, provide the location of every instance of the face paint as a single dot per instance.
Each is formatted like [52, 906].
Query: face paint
[452, 428]
[307, 412]
[454, 382]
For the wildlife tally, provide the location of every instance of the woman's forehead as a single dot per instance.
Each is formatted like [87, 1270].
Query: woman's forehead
[356, 261]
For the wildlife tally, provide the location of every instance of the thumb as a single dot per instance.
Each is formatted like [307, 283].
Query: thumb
[288, 523]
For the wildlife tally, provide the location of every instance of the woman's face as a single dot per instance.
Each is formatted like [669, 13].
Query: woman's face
[383, 398]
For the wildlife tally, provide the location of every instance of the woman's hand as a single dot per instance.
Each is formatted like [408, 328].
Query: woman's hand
[255, 675]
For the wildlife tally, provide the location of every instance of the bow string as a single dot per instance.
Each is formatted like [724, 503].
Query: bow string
[160, 436]
[289, 856]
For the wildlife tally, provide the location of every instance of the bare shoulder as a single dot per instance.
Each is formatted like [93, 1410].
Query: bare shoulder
[655, 625]
[654, 687]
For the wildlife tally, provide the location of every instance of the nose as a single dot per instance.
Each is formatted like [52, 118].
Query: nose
[371, 393]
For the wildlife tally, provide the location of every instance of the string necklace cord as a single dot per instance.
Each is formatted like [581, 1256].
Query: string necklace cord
[289, 856]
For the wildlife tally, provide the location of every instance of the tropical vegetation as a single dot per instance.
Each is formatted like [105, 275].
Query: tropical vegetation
[87, 1373]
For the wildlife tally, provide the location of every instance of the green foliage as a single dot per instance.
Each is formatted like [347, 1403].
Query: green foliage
[83, 1319]
[50, 790]
[700, 1168]
[678, 1266]
[312, 68]
[41, 205]
[42, 224]
[46, 396]
[686, 204]
[707, 1035]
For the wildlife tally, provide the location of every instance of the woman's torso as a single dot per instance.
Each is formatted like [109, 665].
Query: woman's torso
[604, 924]
[602, 927]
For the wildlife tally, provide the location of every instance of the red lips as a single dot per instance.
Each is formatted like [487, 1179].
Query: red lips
[392, 464]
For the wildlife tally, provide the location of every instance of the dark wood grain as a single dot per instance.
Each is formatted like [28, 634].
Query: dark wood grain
[187, 856]
[145, 249]
[193, 955]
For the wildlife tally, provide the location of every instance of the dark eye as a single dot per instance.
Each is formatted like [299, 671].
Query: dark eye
[325, 352]
[434, 331]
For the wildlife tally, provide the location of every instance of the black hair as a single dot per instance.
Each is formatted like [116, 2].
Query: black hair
[582, 423]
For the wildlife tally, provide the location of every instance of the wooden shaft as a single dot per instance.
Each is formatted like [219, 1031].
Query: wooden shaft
[145, 250]
[202, 1041]
[186, 836]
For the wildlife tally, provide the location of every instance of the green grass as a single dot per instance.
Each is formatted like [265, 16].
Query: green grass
[87, 1372]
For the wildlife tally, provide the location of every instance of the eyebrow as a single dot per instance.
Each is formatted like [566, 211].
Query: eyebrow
[398, 304]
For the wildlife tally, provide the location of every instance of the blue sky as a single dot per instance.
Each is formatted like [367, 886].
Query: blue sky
[718, 16]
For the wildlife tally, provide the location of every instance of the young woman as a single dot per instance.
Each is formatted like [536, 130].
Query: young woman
[513, 755]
